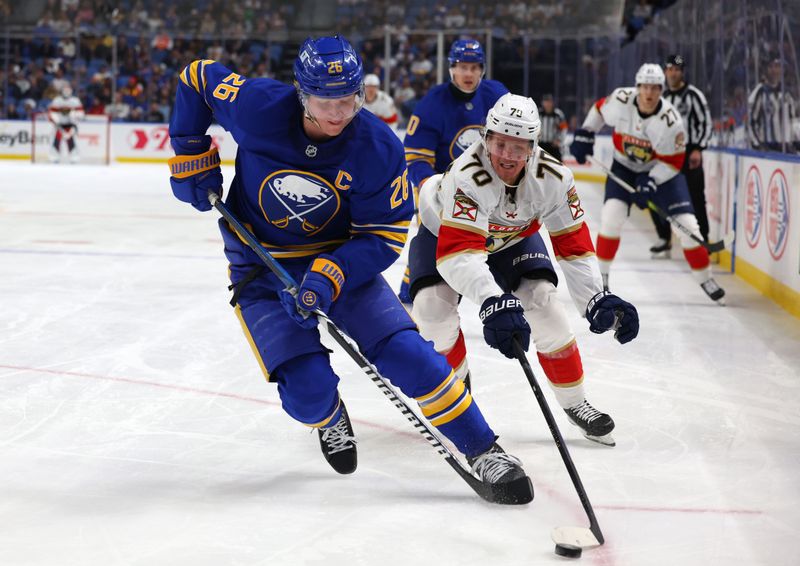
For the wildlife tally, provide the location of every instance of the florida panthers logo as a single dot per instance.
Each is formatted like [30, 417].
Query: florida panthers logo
[300, 202]
[464, 138]
[637, 149]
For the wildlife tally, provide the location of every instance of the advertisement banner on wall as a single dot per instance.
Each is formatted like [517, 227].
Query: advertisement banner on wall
[768, 231]
[15, 139]
[144, 143]
[130, 143]
[720, 182]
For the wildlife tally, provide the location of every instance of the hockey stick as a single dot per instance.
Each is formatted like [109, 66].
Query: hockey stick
[570, 537]
[712, 247]
[490, 492]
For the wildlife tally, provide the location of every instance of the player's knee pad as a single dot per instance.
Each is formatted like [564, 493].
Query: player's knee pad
[409, 362]
[688, 221]
[308, 388]
[546, 315]
[436, 314]
[614, 214]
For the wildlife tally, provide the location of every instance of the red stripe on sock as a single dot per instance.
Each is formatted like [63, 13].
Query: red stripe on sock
[697, 257]
[563, 367]
[455, 356]
[607, 247]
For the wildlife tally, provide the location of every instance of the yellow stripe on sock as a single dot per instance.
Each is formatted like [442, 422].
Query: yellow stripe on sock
[423, 398]
[455, 412]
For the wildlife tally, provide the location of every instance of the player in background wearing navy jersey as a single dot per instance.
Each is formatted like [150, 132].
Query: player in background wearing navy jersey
[449, 118]
[324, 187]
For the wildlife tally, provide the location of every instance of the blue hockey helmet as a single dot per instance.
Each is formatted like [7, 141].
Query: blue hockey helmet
[466, 51]
[328, 67]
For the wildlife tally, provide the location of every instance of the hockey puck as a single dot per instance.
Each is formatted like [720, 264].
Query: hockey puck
[568, 551]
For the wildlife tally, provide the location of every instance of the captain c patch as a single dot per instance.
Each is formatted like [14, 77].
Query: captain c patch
[574, 202]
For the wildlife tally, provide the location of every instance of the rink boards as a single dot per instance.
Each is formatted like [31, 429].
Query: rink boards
[748, 192]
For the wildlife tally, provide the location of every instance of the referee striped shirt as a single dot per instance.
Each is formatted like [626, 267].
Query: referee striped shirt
[554, 126]
[770, 116]
[693, 108]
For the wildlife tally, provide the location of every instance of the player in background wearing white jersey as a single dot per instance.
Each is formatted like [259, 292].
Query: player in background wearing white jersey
[65, 111]
[479, 238]
[693, 107]
[649, 150]
[378, 102]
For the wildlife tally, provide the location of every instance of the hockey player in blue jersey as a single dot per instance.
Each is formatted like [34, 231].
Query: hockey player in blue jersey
[449, 119]
[324, 187]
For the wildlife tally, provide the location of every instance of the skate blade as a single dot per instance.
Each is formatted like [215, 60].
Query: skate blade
[605, 440]
[720, 301]
[660, 255]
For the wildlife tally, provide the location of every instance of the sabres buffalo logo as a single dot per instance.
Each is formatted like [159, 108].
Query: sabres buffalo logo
[464, 138]
[300, 202]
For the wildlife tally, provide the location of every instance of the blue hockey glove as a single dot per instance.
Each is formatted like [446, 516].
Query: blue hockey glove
[606, 311]
[321, 286]
[646, 188]
[195, 170]
[503, 319]
[582, 145]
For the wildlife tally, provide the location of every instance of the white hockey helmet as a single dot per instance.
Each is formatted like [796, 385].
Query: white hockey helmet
[650, 74]
[516, 116]
[372, 80]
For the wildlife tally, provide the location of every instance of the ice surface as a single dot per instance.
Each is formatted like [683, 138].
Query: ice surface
[136, 428]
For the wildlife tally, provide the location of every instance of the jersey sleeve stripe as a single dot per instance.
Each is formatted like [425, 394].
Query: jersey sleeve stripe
[430, 160]
[453, 241]
[573, 244]
[457, 226]
[420, 150]
[402, 225]
[599, 105]
[675, 160]
[193, 75]
[183, 76]
[386, 235]
[568, 230]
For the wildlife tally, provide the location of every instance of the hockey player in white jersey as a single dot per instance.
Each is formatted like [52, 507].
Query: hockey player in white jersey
[378, 102]
[649, 149]
[65, 111]
[480, 238]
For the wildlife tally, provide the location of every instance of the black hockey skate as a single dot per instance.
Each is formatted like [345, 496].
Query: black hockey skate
[661, 250]
[594, 425]
[468, 382]
[339, 445]
[504, 474]
[714, 291]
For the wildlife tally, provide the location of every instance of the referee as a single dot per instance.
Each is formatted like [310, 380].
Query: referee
[554, 127]
[692, 106]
